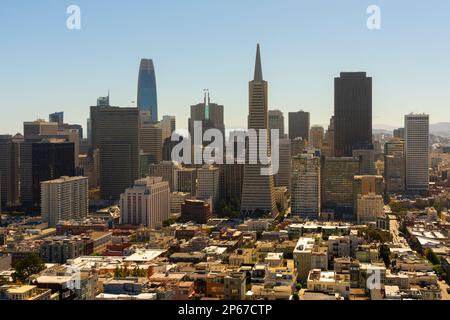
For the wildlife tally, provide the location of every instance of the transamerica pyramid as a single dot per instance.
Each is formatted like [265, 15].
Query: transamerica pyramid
[258, 190]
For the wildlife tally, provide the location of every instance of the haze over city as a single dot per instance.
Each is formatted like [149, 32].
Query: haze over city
[209, 44]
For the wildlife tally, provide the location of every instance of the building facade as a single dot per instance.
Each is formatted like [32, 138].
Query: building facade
[352, 112]
[299, 125]
[115, 132]
[305, 198]
[417, 153]
[146, 203]
[66, 198]
[147, 98]
[258, 189]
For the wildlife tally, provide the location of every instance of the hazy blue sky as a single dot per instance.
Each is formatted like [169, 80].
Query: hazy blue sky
[211, 44]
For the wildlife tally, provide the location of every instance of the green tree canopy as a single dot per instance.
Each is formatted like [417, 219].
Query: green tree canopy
[27, 267]
[432, 257]
[385, 254]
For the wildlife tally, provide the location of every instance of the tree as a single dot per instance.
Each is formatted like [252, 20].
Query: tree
[27, 267]
[168, 223]
[279, 207]
[439, 271]
[432, 257]
[385, 254]
[117, 272]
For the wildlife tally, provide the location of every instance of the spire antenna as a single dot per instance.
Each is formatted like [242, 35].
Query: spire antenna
[258, 68]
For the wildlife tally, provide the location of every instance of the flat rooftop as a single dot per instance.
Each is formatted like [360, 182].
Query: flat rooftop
[145, 255]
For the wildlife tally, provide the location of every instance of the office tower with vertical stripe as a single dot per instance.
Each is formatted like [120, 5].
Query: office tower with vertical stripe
[417, 153]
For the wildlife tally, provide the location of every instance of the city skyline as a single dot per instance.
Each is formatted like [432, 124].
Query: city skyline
[303, 62]
[316, 167]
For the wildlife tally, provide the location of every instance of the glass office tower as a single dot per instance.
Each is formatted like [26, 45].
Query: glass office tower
[147, 99]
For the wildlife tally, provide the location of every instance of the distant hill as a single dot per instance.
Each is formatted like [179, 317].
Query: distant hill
[384, 127]
[441, 128]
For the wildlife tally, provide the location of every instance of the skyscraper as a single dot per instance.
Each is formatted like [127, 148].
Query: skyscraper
[276, 121]
[417, 152]
[394, 166]
[299, 125]
[51, 159]
[337, 175]
[210, 115]
[399, 133]
[146, 203]
[208, 183]
[168, 126]
[164, 169]
[57, 117]
[147, 99]
[9, 170]
[65, 198]
[150, 139]
[115, 132]
[40, 127]
[231, 180]
[328, 141]
[283, 177]
[367, 154]
[352, 112]
[306, 186]
[185, 180]
[103, 101]
[364, 185]
[316, 137]
[258, 189]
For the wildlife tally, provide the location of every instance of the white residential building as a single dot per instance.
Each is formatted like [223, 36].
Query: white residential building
[66, 198]
[146, 203]
[369, 207]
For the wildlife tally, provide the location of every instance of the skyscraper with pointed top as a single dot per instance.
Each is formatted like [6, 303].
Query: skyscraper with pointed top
[258, 192]
[147, 99]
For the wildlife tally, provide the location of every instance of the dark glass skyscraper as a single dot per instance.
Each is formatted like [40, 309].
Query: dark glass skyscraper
[115, 133]
[352, 112]
[51, 159]
[147, 99]
[299, 125]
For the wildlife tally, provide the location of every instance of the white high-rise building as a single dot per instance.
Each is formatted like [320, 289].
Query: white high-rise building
[66, 198]
[146, 203]
[417, 152]
[369, 207]
[208, 178]
[306, 185]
